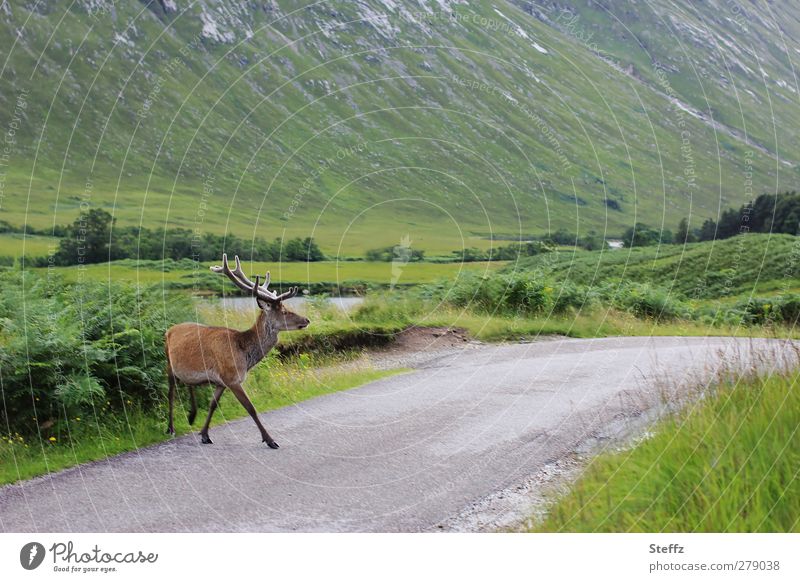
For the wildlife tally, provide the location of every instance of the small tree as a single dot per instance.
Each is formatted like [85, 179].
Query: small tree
[708, 231]
[471, 254]
[376, 255]
[684, 234]
[298, 249]
[730, 224]
[641, 235]
[87, 239]
[592, 241]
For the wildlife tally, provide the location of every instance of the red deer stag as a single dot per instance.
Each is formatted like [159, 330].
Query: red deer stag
[200, 354]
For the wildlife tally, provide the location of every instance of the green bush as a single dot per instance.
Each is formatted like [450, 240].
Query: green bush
[757, 311]
[523, 294]
[789, 307]
[469, 290]
[573, 297]
[510, 294]
[65, 349]
[769, 310]
[646, 301]
[388, 309]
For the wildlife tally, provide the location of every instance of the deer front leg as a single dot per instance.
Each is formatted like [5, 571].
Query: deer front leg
[211, 408]
[248, 406]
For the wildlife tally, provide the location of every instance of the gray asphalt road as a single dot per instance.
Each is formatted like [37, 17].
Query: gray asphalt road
[401, 454]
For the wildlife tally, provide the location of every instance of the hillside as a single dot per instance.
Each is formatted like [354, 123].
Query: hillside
[361, 122]
[758, 264]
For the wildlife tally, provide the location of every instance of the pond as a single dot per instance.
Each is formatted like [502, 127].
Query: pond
[247, 304]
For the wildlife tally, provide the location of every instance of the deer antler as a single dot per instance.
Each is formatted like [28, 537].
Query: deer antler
[241, 280]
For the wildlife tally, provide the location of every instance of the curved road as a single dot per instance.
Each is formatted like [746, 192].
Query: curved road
[406, 453]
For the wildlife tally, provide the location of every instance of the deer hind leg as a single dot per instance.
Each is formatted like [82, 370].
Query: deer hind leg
[211, 408]
[172, 382]
[193, 409]
[241, 396]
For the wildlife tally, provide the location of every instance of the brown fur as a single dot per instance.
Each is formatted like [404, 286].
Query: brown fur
[200, 354]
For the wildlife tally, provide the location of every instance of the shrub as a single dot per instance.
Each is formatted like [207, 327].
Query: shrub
[570, 296]
[471, 290]
[646, 301]
[757, 310]
[523, 293]
[514, 293]
[389, 309]
[769, 310]
[789, 308]
[65, 349]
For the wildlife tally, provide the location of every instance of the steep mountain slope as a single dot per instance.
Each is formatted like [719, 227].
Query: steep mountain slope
[363, 121]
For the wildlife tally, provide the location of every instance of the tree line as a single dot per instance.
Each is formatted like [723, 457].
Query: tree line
[510, 252]
[93, 238]
[778, 214]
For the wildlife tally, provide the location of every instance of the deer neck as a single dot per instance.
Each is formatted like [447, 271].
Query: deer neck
[260, 338]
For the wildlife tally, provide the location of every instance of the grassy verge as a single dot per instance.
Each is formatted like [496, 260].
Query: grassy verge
[383, 316]
[730, 463]
[587, 325]
[270, 385]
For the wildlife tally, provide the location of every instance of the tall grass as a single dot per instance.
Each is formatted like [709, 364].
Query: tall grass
[66, 349]
[730, 463]
[752, 263]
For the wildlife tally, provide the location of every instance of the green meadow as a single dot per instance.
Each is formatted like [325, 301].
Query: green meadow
[334, 272]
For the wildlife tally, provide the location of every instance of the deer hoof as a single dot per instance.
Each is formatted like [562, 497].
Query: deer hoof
[272, 445]
[205, 440]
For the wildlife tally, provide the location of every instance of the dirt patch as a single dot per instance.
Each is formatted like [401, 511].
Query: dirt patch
[421, 347]
[337, 341]
[417, 339]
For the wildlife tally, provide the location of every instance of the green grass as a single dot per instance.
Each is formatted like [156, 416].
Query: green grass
[588, 324]
[322, 272]
[585, 325]
[383, 315]
[17, 245]
[752, 263]
[720, 271]
[109, 432]
[729, 463]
